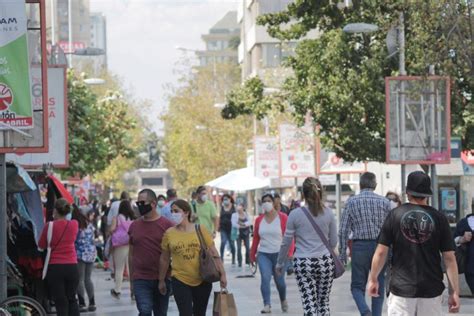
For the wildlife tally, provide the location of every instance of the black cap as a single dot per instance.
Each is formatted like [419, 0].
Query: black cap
[419, 184]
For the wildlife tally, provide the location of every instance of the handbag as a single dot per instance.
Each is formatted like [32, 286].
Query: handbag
[339, 271]
[48, 250]
[207, 265]
[461, 257]
[224, 304]
[120, 236]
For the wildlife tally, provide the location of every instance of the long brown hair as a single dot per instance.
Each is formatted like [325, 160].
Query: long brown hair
[183, 205]
[125, 209]
[313, 195]
[79, 217]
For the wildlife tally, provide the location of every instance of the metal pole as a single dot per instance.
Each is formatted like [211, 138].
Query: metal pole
[3, 228]
[434, 176]
[69, 17]
[338, 197]
[402, 71]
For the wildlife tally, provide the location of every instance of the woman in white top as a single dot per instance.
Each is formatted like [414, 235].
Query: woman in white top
[241, 223]
[267, 237]
[314, 265]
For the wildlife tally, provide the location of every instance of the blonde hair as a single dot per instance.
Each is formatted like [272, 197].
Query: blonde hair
[313, 195]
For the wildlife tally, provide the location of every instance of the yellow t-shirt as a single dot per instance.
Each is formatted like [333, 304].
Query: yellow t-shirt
[184, 249]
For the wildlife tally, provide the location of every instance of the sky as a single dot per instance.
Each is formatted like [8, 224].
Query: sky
[142, 36]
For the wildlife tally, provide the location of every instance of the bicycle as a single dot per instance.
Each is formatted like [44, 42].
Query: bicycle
[21, 306]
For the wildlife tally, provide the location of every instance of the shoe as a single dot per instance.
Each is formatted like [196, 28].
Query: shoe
[284, 306]
[266, 310]
[114, 294]
[82, 308]
[92, 308]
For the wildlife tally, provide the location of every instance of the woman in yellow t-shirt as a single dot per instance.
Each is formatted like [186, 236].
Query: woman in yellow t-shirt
[181, 244]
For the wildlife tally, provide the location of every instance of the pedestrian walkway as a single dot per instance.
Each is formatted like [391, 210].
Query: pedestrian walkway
[247, 295]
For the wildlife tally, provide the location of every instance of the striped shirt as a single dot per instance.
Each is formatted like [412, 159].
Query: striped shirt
[363, 215]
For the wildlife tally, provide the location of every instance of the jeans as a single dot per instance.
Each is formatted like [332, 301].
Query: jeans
[266, 264]
[191, 300]
[62, 283]
[85, 282]
[362, 253]
[225, 238]
[149, 299]
[246, 240]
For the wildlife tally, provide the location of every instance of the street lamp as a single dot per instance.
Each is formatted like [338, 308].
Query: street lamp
[94, 81]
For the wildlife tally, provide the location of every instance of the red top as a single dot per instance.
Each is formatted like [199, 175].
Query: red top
[63, 250]
[145, 242]
[256, 236]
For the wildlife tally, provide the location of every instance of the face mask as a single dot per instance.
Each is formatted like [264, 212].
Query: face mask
[267, 207]
[226, 203]
[161, 203]
[204, 198]
[144, 208]
[393, 205]
[69, 216]
[177, 218]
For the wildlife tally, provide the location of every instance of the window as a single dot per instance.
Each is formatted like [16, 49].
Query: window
[152, 181]
[272, 6]
[274, 54]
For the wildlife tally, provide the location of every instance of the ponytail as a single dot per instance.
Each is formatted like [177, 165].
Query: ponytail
[313, 195]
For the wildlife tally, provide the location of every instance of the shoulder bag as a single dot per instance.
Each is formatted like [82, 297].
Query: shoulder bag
[207, 265]
[120, 236]
[339, 271]
[49, 250]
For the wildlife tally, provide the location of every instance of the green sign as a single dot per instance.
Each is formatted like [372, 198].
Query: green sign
[15, 92]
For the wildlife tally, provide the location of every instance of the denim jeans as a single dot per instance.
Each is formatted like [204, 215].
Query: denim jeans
[149, 299]
[225, 238]
[362, 253]
[266, 264]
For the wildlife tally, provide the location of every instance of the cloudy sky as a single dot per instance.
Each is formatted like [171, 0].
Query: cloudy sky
[143, 35]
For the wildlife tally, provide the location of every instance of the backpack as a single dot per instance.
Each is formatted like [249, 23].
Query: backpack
[120, 236]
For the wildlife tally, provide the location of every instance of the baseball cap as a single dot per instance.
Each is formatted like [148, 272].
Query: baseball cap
[419, 184]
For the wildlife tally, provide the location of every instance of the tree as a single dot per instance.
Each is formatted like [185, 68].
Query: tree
[198, 144]
[100, 129]
[338, 77]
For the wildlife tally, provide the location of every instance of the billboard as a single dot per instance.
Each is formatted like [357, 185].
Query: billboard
[58, 154]
[267, 163]
[418, 122]
[297, 151]
[15, 98]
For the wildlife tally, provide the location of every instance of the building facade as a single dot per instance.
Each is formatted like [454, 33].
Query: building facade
[221, 42]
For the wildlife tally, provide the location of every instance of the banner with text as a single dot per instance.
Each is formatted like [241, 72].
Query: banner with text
[15, 93]
[267, 164]
[57, 120]
[297, 150]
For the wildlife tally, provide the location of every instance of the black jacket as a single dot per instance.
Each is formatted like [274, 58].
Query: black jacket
[461, 228]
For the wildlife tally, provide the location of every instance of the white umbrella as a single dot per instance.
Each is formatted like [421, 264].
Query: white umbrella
[239, 180]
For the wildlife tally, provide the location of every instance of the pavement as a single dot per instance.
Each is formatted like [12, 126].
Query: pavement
[246, 291]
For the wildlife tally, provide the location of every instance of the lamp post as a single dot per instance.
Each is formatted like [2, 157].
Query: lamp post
[370, 28]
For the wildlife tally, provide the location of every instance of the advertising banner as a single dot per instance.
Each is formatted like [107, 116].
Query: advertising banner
[267, 163]
[15, 92]
[57, 113]
[297, 151]
[329, 163]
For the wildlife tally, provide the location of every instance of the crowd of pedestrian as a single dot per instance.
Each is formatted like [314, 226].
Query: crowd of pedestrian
[157, 243]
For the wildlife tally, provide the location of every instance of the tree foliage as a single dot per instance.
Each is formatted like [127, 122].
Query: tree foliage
[339, 77]
[100, 128]
[198, 144]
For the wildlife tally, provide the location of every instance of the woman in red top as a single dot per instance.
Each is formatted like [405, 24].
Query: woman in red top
[267, 238]
[62, 276]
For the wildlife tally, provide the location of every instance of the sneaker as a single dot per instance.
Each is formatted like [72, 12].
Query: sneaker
[266, 310]
[82, 308]
[284, 306]
[114, 294]
[92, 308]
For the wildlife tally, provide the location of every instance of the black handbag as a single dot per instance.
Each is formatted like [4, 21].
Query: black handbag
[461, 257]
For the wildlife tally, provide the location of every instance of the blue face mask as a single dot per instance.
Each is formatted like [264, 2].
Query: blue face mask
[69, 216]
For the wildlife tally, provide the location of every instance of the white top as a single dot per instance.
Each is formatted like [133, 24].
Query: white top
[235, 220]
[270, 236]
[113, 212]
[470, 221]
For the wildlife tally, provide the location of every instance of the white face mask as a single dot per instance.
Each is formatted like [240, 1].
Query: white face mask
[204, 197]
[161, 203]
[177, 218]
[393, 205]
[267, 207]
[69, 216]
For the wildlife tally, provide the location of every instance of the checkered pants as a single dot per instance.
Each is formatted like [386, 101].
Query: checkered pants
[314, 277]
